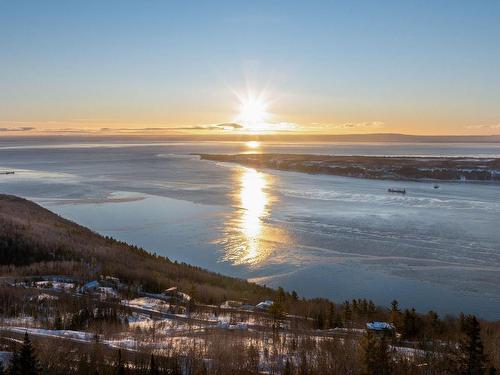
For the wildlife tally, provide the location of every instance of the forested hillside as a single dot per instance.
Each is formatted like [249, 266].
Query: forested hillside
[35, 241]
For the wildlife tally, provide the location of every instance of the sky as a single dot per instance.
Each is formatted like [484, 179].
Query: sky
[336, 67]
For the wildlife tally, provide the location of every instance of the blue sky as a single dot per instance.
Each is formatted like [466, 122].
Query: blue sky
[425, 67]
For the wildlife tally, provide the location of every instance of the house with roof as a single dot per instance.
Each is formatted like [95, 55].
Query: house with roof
[264, 305]
[231, 305]
[90, 286]
[380, 326]
[174, 294]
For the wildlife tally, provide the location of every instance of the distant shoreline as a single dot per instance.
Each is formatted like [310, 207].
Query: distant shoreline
[373, 167]
[240, 137]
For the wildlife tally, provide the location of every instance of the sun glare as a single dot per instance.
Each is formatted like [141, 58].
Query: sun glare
[252, 144]
[253, 113]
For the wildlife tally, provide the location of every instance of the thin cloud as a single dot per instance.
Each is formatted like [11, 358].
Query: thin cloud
[357, 125]
[67, 130]
[350, 125]
[18, 129]
[149, 129]
[284, 126]
[484, 126]
[223, 126]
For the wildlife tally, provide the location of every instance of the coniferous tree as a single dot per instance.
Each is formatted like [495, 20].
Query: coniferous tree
[320, 320]
[371, 308]
[331, 316]
[433, 319]
[277, 312]
[376, 358]
[395, 313]
[174, 367]
[355, 307]
[153, 369]
[409, 324]
[120, 368]
[252, 362]
[14, 364]
[338, 321]
[28, 364]
[58, 321]
[472, 360]
[288, 368]
[347, 313]
[83, 366]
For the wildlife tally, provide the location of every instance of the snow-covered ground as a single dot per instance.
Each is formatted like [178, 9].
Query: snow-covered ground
[44, 297]
[107, 292]
[358, 331]
[148, 303]
[18, 321]
[5, 358]
[163, 326]
[408, 353]
[250, 320]
[56, 285]
[165, 335]
[67, 334]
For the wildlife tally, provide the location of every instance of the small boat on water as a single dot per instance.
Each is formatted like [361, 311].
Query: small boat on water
[395, 190]
[7, 172]
[436, 186]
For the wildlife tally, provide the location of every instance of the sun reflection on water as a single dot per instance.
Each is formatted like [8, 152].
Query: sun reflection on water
[248, 241]
[253, 202]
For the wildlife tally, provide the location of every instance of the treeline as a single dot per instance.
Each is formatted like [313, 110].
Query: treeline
[222, 353]
[16, 250]
[445, 342]
[63, 311]
[52, 359]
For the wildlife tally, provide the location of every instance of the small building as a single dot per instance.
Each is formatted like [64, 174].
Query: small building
[227, 324]
[110, 281]
[380, 326]
[90, 286]
[264, 305]
[223, 324]
[231, 305]
[107, 292]
[173, 293]
[247, 307]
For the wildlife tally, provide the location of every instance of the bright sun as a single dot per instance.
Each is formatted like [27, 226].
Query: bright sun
[253, 113]
[253, 144]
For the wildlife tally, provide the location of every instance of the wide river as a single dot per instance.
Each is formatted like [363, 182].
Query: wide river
[320, 235]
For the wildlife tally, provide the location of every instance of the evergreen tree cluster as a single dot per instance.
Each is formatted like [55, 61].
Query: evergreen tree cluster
[471, 358]
[24, 361]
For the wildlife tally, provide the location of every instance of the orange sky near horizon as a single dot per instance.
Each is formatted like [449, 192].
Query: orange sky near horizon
[226, 124]
[270, 67]
[248, 112]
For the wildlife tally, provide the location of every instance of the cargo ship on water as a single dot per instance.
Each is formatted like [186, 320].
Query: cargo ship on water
[395, 190]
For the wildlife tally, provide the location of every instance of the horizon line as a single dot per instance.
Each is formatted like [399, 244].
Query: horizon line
[270, 137]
